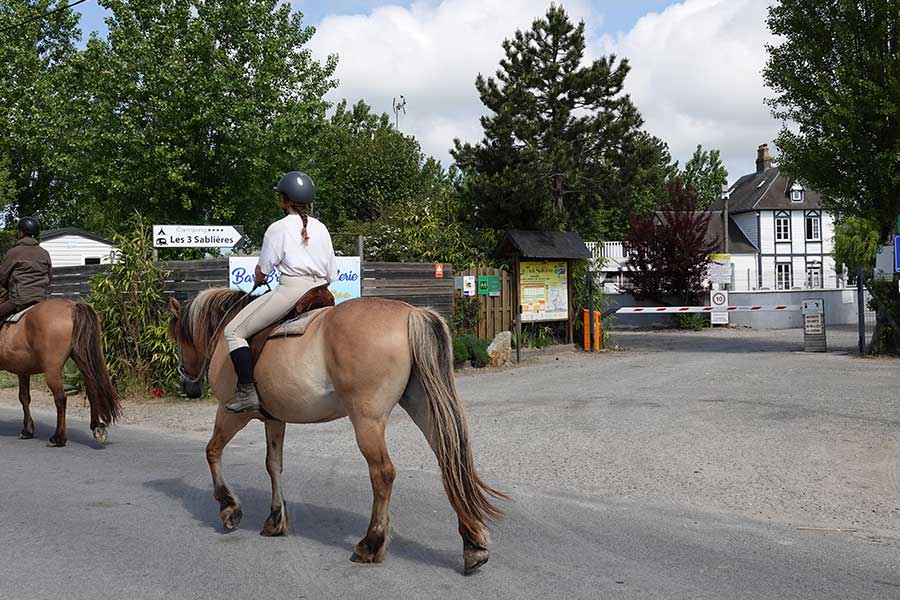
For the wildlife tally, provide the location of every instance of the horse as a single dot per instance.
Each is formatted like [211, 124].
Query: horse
[356, 360]
[40, 342]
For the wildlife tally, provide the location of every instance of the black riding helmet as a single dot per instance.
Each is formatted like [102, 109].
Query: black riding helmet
[29, 226]
[298, 187]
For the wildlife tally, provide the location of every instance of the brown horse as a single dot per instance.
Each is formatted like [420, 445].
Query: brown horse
[41, 342]
[357, 360]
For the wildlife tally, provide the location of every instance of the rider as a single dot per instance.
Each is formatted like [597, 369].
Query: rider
[299, 246]
[25, 272]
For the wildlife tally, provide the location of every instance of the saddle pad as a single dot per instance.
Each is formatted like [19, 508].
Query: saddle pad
[15, 318]
[298, 326]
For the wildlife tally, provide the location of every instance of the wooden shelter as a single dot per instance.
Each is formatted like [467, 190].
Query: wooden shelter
[541, 282]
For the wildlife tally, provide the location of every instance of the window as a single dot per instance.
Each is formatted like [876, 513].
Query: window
[813, 228]
[782, 229]
[814, 275]
[796, 196]
[92, 261]
[783, 276]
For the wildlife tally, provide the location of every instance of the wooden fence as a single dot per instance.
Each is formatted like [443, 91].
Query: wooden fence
[411, 282]
[497, 312]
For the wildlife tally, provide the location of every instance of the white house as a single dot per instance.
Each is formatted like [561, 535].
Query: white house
[71, 247]
[786, 237]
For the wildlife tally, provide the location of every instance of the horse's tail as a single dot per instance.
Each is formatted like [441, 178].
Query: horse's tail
[432, 363]
[87, 352]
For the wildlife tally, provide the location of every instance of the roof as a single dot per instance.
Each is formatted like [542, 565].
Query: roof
[50, 234]
[769, 190]
[715, 233]
[543, 244]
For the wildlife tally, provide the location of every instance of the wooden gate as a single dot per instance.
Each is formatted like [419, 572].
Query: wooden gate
[497, 312]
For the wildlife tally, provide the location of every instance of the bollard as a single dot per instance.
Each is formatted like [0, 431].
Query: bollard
[598, 331]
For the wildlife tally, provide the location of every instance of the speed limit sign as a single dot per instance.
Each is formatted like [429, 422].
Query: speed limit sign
[718, 299]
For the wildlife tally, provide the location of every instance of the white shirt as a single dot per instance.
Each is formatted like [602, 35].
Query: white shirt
[283, 248]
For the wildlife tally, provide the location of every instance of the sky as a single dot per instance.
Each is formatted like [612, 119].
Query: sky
[695, 64]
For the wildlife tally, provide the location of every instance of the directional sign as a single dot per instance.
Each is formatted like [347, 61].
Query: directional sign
[897, 254]
[197, 236]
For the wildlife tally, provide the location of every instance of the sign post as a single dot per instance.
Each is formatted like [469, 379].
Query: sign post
[814, 325]
[197, 236]
[718, 300]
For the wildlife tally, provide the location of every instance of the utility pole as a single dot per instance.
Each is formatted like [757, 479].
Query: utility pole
[399, 105]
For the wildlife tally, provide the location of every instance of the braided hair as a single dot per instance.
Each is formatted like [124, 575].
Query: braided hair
[304, 215]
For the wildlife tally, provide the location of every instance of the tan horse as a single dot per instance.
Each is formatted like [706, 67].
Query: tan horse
[41, 342]
[357, 360]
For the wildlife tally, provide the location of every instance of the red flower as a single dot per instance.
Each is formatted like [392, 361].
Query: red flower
[157, 392]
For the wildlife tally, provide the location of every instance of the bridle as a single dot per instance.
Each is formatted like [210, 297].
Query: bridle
[207, 357]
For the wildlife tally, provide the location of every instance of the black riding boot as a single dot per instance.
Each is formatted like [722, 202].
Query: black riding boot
[246, 398]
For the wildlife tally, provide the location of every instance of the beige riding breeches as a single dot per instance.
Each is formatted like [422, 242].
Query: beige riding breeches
[268, 309]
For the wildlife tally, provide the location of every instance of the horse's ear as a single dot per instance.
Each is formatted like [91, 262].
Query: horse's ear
[175, 307]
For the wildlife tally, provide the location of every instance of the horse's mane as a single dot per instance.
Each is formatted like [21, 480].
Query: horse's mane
[204, 317]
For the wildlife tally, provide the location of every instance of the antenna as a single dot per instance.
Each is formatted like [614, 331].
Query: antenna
[399, 106]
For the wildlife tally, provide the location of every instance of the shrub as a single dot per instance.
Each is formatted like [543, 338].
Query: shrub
[691, 321]
[466, 315]
[460, 352]
[476, 348]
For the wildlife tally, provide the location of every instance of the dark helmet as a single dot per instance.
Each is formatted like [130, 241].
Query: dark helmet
[298, 187]
[29, 226]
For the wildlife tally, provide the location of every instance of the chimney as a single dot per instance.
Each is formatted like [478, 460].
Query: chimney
[763, 160]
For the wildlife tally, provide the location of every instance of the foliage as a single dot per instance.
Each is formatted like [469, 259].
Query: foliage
[669, 251]
[535, 335]
[706, 175]
[885, 301]
[856, 242]
[460, 352]
[690, 321]
[562, 148]
[836, 77]
[129, 299]
[477, 350]
[7, 239]
[33, 102]
[466, 315]
[188, 111]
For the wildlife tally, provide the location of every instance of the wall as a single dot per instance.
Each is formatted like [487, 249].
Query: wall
[71, 250]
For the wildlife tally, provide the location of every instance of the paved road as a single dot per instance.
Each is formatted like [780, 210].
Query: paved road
[625, 485]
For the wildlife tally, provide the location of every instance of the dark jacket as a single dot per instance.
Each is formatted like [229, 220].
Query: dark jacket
[25, 272]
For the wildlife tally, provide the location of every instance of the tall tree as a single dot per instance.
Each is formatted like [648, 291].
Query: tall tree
[836, 76]
[563, 142]
[189, 110]
[32, 101]
[706, 174]
[856, 242]
[669, 251]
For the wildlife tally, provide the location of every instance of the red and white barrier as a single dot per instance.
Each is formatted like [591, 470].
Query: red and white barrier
[705, 309]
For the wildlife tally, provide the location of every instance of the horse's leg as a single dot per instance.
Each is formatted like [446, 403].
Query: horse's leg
[476, 540]
[55, 383]
[25, 399]
[98, 427]
[277, 523]
[227, 425]
[370, 438]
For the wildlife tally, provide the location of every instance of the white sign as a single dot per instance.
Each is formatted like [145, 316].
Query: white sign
[196, 236]
[347, 286]
[468, 285]
[884, 263]
[718, 299]
[719, 268]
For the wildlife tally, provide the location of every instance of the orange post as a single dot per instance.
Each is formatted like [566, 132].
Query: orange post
[598, 331]
[587, 332]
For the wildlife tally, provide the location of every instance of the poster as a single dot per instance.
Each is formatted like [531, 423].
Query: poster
[468, 285]
[720, 268]
[543, 291]
[240, 269]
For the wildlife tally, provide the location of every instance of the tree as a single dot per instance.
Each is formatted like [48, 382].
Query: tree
[33, 103]
[836, 78]
[562, 147]
[705, 174]
[189, 111]
[856, 242]
[668, 252]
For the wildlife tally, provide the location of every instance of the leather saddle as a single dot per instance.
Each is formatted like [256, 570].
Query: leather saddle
[318, 297]
[15, 317]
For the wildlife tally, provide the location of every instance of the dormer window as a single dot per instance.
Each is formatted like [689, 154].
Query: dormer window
[797, 193]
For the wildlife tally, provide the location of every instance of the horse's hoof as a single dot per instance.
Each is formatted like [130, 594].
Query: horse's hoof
[26, 435]
[101, 435]
[231, 519]
[272, 532]
[358, 559]
[56, 442]
[475, 561]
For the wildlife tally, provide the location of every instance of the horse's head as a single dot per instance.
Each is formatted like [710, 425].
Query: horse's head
[191, 360]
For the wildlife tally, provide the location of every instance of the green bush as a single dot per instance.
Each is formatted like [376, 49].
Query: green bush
[130, 301]
[476, 348]
[460, 352]
[466, 315]
[884, 339]
[691, 321]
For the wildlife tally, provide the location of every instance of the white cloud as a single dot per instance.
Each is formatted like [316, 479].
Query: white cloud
[696, 77]
[695, 67]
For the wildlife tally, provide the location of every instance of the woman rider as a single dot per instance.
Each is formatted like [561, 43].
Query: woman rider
[299, 246]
